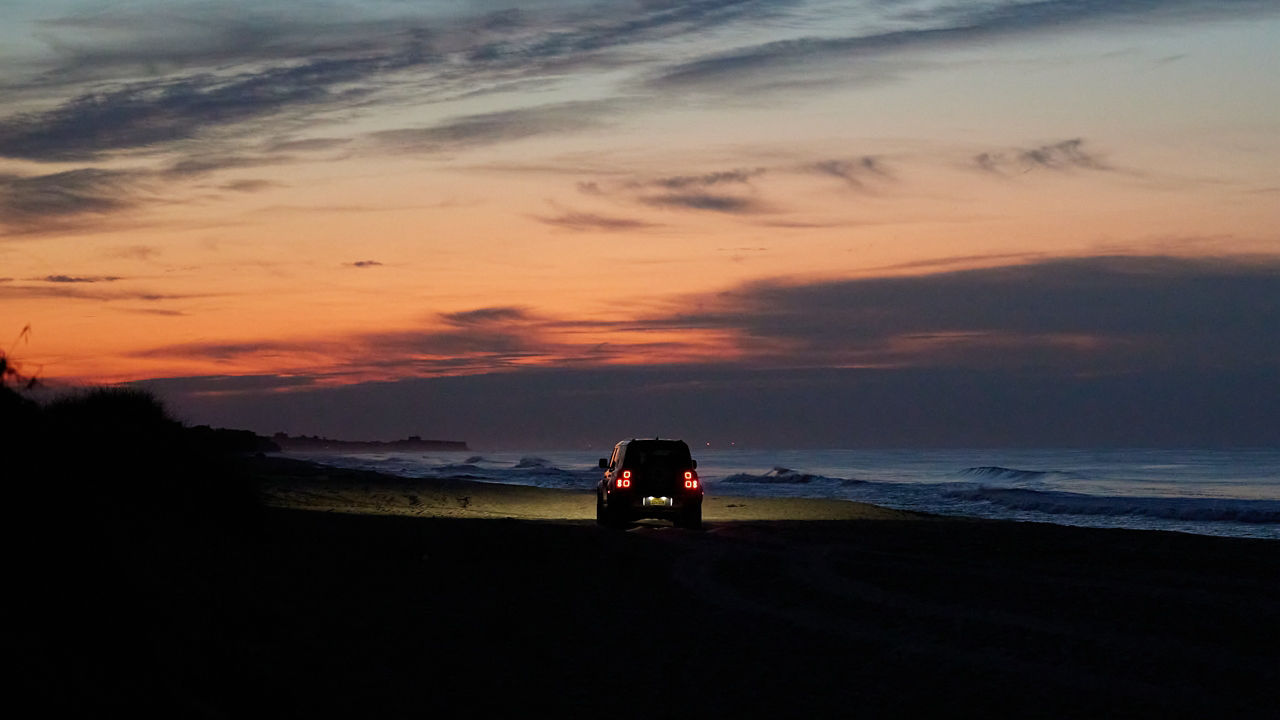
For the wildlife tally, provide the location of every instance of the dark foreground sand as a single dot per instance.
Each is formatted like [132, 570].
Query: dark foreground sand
[357, 595]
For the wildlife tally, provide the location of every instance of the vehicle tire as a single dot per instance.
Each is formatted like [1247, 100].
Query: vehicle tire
[608, 516]
[690, 518]
[617, 516]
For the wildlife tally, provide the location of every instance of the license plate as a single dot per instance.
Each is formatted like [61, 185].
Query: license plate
[659, 501]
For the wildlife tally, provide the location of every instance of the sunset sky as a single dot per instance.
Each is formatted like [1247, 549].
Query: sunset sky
[835, 223]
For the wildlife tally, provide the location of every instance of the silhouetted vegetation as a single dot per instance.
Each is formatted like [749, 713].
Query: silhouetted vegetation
[118, 447]
[18, 415]
[131, 527]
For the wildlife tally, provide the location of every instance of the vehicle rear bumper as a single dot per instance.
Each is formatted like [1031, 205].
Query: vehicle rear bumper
[655, 506]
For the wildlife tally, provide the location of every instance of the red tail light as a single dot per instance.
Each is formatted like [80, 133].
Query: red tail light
[690, 480]
[624, 480]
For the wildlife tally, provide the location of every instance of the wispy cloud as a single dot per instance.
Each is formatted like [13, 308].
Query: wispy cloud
[29, 199]
[487, 316]
[305, 145]
[365, 264]
[197, 165]
[74, 291]
[483, 340]
[248, 185]
[147, 115]
[949, 26]
[592, 222]
[723, 177]
[68, 199]
[214, 72]
[232, 384]
[591, 32]
[936, 264]
[855, 172]
[221, 68]
[502, 126]
[161, 38]
[1059, 156]
[731, 204]
[722, 191]
[161, 312]
[229, 86]
[77, 278]
[115, 40]
[64, 199]
[134, 252]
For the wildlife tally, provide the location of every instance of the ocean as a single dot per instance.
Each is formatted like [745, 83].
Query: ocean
[1208, 492]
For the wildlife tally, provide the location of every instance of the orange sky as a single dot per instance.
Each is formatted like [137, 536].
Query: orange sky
[591, 190]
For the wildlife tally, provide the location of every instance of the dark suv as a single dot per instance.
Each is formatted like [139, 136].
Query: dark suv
[650, 479]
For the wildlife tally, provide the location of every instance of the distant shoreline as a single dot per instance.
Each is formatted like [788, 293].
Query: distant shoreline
[314, 443]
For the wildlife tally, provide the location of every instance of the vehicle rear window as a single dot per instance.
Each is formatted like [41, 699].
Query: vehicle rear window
[653, 455]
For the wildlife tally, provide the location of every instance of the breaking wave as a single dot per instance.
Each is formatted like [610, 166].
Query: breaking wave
[460, 467]
[995, 472]
[777, 475]
[1065, 503]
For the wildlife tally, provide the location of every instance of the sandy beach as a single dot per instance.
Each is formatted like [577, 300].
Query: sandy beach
[485, 595]
[353, 594]
[299, 486]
